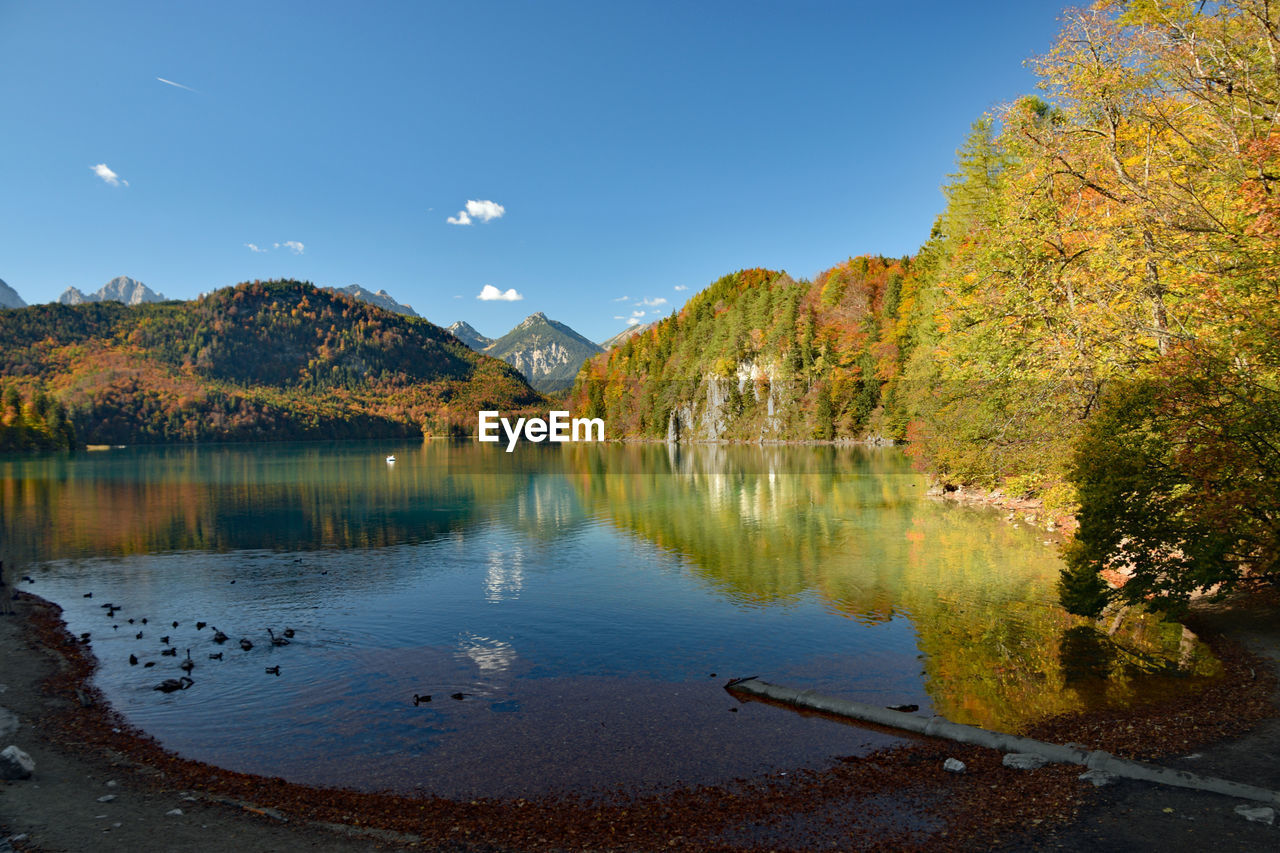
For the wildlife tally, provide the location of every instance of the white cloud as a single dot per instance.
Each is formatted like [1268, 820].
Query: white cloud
[489, 293]
[653, 303]
[632, 321]
[481, 210]
[107, 175]
[623, 299]
[292, 245]
[637, 313]
[176, 85]
[680, 287]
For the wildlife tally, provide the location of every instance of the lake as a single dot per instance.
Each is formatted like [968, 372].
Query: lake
[586, 602]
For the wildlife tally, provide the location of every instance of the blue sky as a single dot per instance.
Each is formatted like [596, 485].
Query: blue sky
[633, 149]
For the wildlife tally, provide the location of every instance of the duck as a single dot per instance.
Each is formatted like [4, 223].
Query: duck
[273, 670]
[288, 632]
[164, 640]
[459, 696]
[218, 656]
[170, 652]
[175, 624]
[171, 684]
[277, 641]
[218, 636]
[138, 636]
[148, 664]
[188, 664]
[418, 700]
[133, 660]
[245, 644]
[200, 625]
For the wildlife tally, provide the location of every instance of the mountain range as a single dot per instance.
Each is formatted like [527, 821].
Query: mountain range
[382, 299]
[259, 361]
[119, 289]
[547, 352]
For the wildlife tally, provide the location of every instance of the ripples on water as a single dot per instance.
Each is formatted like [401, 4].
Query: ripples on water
[589, 603]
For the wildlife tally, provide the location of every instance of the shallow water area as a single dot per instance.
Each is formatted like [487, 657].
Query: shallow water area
[586, 605]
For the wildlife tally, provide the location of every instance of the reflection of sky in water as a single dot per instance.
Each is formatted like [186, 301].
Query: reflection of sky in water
[579, 605]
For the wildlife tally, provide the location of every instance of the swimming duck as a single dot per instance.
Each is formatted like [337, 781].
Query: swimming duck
[245, 644]
[418, 700]
[133, 660]
[169, 652]
[277, 641]
[288, 632]
[218, 656]
[171, 684]
[273, 670]
[200, 625]
[218, 636]
[188, 664]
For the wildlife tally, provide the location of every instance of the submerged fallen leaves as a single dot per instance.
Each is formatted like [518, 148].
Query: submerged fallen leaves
[896, 799]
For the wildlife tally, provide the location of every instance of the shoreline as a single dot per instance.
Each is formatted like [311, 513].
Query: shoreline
[860, 799]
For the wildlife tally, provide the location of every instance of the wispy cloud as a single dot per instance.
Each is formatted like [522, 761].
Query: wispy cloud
[289, 245]
[622, 299]
[653, 303]
[637, 313]
[110, 177]
[175, 85]
[489, 293]
[679, 287]
[481, 210]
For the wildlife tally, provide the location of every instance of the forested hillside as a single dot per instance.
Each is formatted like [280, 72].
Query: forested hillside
[263, 360]
[760, 356]
[1094, 319]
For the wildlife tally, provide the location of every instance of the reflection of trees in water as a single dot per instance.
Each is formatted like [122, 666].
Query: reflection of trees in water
[772, 524]
[290, 497]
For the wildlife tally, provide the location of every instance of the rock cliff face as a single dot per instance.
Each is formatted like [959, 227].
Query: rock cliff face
[382, 299]
[9, 297]
[464, 332]
[119, 289]
[548, 353]
[720, 400]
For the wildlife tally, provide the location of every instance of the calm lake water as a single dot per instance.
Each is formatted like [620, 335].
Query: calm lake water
[589, 601]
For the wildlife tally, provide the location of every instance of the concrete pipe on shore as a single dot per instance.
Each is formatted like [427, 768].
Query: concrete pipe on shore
[941, 727]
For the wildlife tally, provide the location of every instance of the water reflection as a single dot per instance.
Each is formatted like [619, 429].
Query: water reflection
[578, 598]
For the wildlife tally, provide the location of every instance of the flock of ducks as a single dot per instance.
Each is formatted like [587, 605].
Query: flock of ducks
[170, 685]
